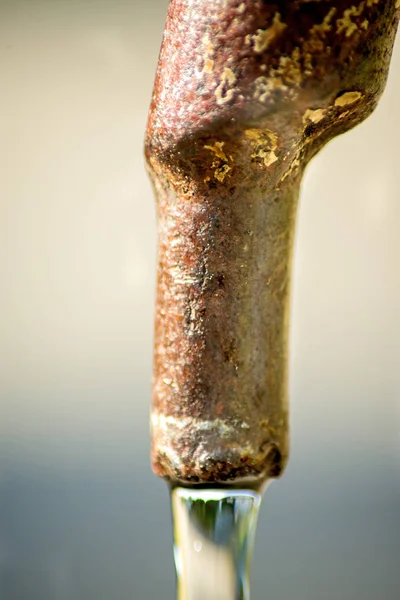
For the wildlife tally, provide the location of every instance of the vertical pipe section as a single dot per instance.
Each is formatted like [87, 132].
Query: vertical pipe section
[246, 93]
[220, 394]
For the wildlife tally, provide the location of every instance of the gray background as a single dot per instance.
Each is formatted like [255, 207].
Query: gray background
[81, 515]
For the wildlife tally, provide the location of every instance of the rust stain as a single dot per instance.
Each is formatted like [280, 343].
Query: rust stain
[244, 97]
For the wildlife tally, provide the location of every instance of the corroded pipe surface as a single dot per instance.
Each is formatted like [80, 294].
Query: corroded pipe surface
[246, 93]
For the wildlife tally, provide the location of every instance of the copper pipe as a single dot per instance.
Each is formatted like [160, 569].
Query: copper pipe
[246, 94]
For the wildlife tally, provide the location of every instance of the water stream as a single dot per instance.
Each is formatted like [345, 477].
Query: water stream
[214, 533]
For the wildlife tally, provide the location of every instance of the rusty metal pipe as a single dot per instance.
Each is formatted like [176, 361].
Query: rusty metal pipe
[246, 93]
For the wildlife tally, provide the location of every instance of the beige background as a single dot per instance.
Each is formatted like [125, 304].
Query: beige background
[81, 516]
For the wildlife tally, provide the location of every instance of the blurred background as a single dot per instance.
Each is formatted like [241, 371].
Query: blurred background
[81, 515]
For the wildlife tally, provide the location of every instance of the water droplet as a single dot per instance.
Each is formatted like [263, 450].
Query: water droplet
[214, 535]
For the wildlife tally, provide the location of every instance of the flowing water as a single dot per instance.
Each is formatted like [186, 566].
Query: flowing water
[214, 533]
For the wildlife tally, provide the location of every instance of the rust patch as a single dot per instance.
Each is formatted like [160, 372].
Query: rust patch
[245, 94]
